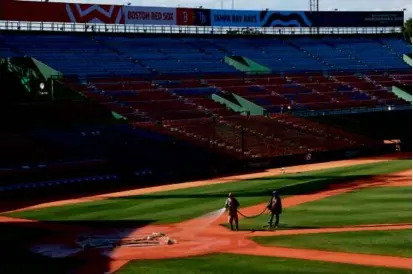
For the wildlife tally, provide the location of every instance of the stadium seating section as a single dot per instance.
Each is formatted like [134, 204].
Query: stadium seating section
[164, 84]
[168, 55]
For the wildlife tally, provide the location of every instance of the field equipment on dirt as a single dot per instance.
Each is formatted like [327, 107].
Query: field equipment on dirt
[154, 239]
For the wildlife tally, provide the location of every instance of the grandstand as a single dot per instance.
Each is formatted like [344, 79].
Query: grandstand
[168, 103]
[188, 55]
[176, 58]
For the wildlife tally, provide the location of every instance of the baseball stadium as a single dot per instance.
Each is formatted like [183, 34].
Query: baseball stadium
[145, 139]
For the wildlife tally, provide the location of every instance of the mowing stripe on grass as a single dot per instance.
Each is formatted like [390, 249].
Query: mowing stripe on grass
[385, 242]
[247, 264]
[184, 204]
[377, 205]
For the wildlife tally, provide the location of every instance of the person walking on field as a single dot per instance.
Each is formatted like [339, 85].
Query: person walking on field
[231, 205]
[275, 207]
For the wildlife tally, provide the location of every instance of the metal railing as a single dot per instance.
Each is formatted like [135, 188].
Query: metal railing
[155, 77]
[198, 30]
[341, 111]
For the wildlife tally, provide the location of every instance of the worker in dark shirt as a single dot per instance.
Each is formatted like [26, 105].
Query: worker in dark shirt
[275, 207]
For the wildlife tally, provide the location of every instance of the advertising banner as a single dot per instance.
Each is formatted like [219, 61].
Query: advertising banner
[240, 18]
[193, 17]
[13, 10]
[106, 14]
[234, 18]
[150, 16]
[33, 11]
[358, 19]
[61, 12]
[285, 19]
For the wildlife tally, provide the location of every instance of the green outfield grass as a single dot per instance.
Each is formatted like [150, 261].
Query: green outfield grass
[384, 242]
[246, 264]
[180, 205]
[379, 205]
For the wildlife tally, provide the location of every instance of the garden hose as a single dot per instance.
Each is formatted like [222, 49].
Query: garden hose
[254, 216]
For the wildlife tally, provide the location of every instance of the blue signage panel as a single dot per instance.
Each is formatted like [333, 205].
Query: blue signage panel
[250, 18]
[358, 19]
[266, 18]
[234, 18]
[285, 19]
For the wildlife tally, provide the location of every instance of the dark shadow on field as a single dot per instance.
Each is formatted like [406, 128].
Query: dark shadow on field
[100, 225]
[315, 185]
[21, 198]
[11, 200]
[15, 242]
[16, 239]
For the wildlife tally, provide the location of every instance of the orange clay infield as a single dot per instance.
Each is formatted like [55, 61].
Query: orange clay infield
[204, 235]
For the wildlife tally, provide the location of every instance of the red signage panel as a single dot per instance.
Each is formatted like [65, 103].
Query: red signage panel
[185, 16]
[106, 14]
[61, 12]
[34, 11]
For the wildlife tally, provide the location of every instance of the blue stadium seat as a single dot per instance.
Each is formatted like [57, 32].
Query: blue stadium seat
[119, 55]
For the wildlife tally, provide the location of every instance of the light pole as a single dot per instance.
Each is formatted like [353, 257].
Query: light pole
[314, 5]
[404, 22]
